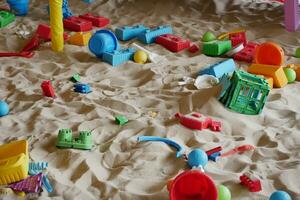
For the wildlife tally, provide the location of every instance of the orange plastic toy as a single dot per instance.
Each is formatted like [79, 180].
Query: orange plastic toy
[269, 53]
[275, 72]
[80, 39]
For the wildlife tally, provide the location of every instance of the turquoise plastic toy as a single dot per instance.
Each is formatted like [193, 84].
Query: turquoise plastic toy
[4, 109]
[197, 158]
[19, 7]
[223, 193]
[180, 149]
[280, 195]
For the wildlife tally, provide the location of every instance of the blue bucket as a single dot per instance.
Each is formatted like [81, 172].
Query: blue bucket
[19, 7]
[103, 41]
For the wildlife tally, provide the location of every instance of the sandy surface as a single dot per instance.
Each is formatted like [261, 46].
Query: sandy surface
[117, 167]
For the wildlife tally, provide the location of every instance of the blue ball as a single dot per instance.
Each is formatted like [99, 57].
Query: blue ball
[4, 109]
[280, 195]
[197, 158]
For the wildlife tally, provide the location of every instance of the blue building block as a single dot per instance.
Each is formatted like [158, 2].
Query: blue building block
[37, 167]
[118, 57]
[219, 69]
[214, 156]
[126, 33]
[149, 36]
[82, 88]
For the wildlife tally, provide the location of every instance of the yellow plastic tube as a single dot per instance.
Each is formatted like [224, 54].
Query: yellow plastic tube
[56, 24]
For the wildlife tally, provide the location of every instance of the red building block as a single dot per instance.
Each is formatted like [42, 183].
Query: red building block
[194, 48]
[77, 24]
[98, 21]
[253, 184]
[238, 38]
[47, 88]
[44, 32]
[215, 126]
[247, 54]
[172, 42]
[214, 150]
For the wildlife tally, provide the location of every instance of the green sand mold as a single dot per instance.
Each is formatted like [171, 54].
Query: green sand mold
[65, 140]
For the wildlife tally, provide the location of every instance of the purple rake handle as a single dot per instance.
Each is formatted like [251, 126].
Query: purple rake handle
[291, 15]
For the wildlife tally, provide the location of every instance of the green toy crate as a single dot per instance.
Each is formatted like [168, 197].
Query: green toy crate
[6, 18]
[247, 93]
[217, 48]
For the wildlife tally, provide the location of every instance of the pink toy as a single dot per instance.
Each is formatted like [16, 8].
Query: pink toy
[172, 42]
[29, 185]
[252, 183]
[238, 38]
[247, 54]
[291, 15]
[194, 48]
[47, 88]
[198, 122]
[97, 21]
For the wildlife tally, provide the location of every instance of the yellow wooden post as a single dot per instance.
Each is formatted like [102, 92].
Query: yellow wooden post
[56, 24]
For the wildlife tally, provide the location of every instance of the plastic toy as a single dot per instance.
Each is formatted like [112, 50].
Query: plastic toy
[208, 37]
[290, 74]
[214, 156]
[46, 183]
[244, 93]
[198, 122]
[31, 184]
[75, 78]
[82, 88]
[276, 72]
[56, 24]
[219, 69]
[252, 183]
[121, 120]
[149, 36]
[37, 167]
[225, 35]
[197, 158]
[98, 21]
[13, 162]
[44, 32]
[80, 39]
[247, 54]
[239, 149]
[66, 140]
[6, 191]
[217, 48]
[4, 108]
[297, 70]
[269, 53]
[47, 88]
[194, 48]
[214, 150]
[178, 147]
[126, 33]
[291, 15]
[193, 184]
[270, 81]
[297, 53]
[235, 50]
[153, 57]
[19, 7]
[6, 18]
[223, 193]
[280, 195]
[238, 38]
[172, 42]
[118, 57]
[77, 24]
[103, 41]
[140, 57]
[66, 10]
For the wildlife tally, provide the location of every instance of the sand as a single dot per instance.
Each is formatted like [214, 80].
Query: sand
[119, 168]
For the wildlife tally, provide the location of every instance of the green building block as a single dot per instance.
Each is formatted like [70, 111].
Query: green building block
[64, 138]
[217, 48]
[84, 141]
[75, 78]
[6, 18]
[208, 37]
[121, 120]
[247, 93]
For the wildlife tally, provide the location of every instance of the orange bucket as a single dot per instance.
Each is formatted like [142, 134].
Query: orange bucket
[269, 53]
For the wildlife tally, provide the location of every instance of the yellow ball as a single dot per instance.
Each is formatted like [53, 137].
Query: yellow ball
[140, 57]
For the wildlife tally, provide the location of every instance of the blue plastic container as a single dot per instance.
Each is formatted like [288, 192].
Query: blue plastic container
[103, 41]
[19, 7]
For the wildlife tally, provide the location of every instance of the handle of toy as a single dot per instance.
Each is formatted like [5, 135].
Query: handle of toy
[180, 149]
[224, 35]
[56, 24]
[141, 48]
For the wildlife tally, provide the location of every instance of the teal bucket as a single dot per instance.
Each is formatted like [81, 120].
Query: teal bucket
[19, 7]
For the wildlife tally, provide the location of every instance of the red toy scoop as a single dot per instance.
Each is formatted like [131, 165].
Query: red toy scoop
[193, 185]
